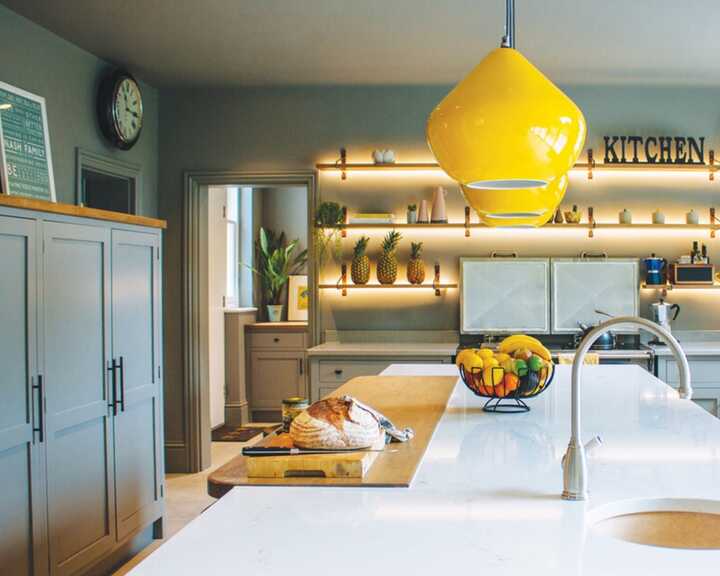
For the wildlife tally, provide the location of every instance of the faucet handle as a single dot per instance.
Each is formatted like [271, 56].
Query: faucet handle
[589, 446]
[594, 442]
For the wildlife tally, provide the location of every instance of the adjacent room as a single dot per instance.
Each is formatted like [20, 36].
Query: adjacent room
[319, 286]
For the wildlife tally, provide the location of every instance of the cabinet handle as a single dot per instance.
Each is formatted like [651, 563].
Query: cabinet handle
[276, 339]
[38, 388]
[338, 371]
[122, 384]
[301, 365]
[113, 379]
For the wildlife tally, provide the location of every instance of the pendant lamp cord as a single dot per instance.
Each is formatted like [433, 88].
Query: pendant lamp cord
[508, 41]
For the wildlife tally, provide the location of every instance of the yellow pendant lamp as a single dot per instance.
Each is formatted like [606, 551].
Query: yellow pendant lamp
[506, 127]
[526, 207]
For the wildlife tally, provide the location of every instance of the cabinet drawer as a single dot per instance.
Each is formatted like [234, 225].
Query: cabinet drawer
[280, 340]
[703, 372]
[340, 371]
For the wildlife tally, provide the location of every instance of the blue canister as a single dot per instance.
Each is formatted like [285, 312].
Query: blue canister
[655, 270]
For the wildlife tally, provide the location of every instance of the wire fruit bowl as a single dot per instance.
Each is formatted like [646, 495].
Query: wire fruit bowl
[507, 391]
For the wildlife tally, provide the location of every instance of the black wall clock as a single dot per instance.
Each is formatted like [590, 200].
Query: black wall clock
[120, 109]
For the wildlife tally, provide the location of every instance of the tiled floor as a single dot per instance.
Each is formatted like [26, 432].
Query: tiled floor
[186, 497]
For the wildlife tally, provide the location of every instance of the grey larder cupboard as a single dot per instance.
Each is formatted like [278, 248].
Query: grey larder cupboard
[135, 341]
[76, 338]
[80, 390]
[23, 540]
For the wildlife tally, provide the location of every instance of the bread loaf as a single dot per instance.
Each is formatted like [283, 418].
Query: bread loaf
[335, 423]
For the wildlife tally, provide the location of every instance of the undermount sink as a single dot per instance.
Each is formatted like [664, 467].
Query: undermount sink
[668, 523]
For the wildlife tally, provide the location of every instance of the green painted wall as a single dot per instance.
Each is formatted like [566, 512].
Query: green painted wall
[40, 62]
[295, 127]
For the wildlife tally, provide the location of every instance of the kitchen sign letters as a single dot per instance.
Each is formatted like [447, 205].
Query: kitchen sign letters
[654, 150]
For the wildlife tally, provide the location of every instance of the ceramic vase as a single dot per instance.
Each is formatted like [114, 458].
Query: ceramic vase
[424, 214]
[275, 312]
[692, 217]
[658, 217]
[439, 214]
[412, 216]
[625, 217]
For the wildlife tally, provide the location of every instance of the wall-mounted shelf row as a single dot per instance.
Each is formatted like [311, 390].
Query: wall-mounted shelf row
[589, 167]
[667, 287]
[591, 225]
[342, 285]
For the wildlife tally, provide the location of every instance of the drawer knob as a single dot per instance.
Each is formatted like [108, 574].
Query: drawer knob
[338, 371]
[276, 339]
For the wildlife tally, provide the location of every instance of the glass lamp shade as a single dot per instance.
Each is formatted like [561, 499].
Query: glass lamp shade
[506, 126]
[526, 208]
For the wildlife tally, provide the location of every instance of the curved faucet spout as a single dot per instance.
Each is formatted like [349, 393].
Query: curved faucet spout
[574, 462]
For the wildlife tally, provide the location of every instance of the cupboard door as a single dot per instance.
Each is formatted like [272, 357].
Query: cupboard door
[135, 343]
[79, 436]
[23, 545]
[273, 377]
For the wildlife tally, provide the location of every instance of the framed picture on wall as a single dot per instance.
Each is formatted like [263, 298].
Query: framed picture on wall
[298, 298]
[25, 145]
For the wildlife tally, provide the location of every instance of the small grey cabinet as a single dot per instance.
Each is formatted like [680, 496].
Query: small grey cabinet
[23, 544]
[276, 366]
[80, 390]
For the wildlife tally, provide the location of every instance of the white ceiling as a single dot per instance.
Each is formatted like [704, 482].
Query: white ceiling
[282, 42]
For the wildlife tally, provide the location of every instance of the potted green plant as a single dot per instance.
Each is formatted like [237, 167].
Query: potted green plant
[412, 214]
[329, 221]
[276, 262]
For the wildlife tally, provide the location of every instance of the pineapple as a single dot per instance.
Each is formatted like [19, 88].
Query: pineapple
[360, 267]
[387, 265]
[416, 267]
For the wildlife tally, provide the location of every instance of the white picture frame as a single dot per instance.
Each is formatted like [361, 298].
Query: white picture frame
[298, 298]
[18, 95]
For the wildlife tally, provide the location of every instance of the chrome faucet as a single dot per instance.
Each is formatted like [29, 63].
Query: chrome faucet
[575, 462]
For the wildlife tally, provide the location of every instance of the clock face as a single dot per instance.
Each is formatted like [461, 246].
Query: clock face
[127, 110]
[120, 109]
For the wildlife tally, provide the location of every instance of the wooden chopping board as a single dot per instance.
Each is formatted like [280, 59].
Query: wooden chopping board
[336, 465]
[415, 401]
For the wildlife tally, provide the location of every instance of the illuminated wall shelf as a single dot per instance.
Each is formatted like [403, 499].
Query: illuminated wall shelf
[588, 168]
[667, 287]
[342, 285]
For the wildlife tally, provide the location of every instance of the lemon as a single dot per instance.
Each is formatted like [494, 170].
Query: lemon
[485, 353]
[463, 356]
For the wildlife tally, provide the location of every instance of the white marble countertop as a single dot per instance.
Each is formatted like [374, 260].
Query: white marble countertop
[486, 499]
[421, 349]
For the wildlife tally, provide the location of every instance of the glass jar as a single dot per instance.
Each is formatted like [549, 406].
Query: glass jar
[291, 407]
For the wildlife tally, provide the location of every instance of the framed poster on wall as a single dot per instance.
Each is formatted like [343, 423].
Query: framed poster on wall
[298, 298]
[25, 145]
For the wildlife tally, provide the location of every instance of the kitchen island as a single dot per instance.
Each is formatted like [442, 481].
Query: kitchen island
[486, 499]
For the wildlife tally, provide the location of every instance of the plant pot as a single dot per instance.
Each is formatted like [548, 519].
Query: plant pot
[412, 217]
[275, 312]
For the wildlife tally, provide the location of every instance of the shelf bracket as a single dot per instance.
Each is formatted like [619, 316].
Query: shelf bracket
[467, 221]
[591, 222]
[711, 165]
[590, 164]
[342, 163]
[713, 222]
[436, 280]
[342, 281]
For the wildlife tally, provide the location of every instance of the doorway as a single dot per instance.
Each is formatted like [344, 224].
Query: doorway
[223, 215]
